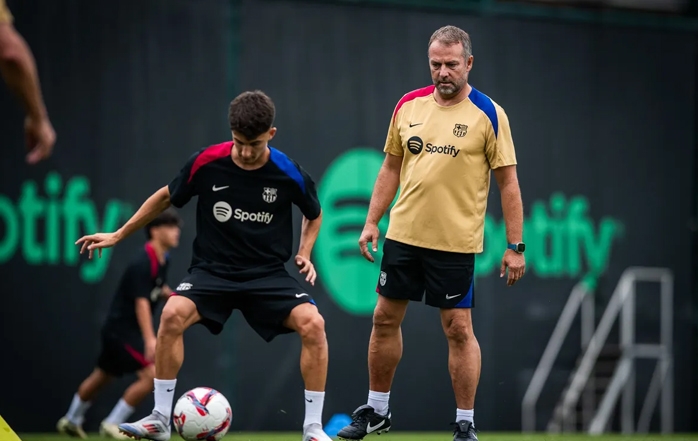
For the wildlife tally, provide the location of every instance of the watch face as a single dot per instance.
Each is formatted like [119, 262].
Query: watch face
[521, 247]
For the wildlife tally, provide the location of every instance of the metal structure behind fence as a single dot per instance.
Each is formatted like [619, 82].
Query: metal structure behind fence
[622, 382]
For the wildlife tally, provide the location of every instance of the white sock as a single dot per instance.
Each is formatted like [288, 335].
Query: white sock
[379, 401]
[467, 415]
[76, 412]
[164, 395]
[313, 408]
[120, 413]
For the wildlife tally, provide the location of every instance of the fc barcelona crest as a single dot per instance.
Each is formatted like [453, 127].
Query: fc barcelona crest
[460, 130]
[269, 194]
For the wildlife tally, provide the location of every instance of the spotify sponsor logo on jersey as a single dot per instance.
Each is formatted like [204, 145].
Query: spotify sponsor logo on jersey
[415, 145]
[449, 150]
[261, 217]
[222, 211]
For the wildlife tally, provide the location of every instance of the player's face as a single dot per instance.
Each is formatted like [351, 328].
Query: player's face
[449, 68]
[167, 235]
[249, 151]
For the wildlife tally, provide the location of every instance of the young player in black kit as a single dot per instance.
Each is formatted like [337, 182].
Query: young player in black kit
[128, 335]
[244, 232]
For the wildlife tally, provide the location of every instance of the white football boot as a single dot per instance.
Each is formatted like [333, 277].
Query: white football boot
[155, 427]
[314, 432]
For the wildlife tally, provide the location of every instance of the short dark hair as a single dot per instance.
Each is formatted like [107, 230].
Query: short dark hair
[449, 35]
[167, 217]
[251, 114]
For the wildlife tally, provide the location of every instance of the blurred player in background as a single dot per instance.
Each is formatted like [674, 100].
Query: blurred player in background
[442, 143]
[128, 336]
[244, 236]
[18, 69]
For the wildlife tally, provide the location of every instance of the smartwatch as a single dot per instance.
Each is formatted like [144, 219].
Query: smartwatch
[519, 247]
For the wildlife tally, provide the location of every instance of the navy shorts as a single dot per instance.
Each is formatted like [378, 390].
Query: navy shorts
[265, 301]
[445, 278]
[121, 356]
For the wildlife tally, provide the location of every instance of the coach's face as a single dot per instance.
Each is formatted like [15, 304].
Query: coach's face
[449, 67]
[249, 151]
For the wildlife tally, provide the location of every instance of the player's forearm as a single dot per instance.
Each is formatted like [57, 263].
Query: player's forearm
[384, 192]
[145, 320]
[512, 210]
[19, 71]
[309, 232]
[166, 291]
[151, 208]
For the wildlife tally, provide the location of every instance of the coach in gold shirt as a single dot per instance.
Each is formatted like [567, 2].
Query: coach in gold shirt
[442, 143]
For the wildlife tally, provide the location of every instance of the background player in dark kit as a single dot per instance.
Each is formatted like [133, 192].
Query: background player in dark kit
[244, 233]
[128, 335]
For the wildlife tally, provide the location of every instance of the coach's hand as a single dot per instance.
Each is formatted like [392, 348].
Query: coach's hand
[517, 266]
[97, 242]
[369, 234]
[39, 137]
[306, 267]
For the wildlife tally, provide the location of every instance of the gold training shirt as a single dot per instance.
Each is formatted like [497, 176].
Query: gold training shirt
[5, 16]
[448, 153]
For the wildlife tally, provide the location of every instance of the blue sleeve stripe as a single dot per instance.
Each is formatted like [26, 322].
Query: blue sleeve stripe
[284, 163]
[484, 103]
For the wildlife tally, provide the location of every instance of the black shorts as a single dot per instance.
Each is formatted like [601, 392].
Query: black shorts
[408, 272]
[265, 302]
[121, 356]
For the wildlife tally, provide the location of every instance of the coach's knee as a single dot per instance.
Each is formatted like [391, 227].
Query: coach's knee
[386, 319]
[459, 330]
[311, 328]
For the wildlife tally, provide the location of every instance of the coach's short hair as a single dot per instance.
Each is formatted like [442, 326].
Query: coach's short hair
[251, 114]
[449, 35]
[167, 217]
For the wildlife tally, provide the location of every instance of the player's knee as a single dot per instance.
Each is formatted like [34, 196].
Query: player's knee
[459, 331]
[172, 320]
[312, 329]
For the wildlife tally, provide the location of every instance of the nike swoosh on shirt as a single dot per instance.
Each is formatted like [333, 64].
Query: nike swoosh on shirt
[220, 188]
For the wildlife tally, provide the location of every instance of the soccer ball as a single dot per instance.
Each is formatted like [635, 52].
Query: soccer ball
[202, 414]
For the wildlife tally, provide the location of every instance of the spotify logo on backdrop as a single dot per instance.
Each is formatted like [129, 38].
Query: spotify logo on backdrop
[344, 192]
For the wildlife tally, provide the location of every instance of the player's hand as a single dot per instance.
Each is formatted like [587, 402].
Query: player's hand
[166, 291]
[150, 349]
[307, 268]
[369, 234]
[97, 242]
[39, 137]
[516, 263]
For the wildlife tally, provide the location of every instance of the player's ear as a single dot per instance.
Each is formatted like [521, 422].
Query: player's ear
[272, 132]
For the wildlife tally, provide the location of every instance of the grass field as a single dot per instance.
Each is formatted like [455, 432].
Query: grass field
[410, 436]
